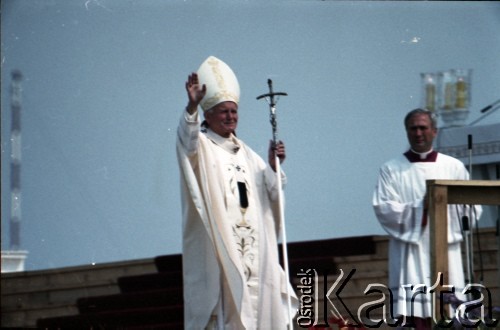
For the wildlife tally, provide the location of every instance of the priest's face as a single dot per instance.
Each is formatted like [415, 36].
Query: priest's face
[420, 132]
[223, 118]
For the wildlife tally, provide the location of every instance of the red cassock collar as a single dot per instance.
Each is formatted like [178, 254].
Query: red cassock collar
[413, 157]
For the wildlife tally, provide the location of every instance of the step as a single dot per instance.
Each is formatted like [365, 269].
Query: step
[154, 281]
[116, 319]
[161, 326]
[320, 264]
[131, 300]
[331, 247]
[168, 263]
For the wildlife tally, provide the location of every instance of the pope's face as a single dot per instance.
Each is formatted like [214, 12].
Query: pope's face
[223, 118]
[420, 132]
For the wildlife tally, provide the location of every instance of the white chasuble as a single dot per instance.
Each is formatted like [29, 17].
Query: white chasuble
[240, 218]
[398, 203]
[231, 271]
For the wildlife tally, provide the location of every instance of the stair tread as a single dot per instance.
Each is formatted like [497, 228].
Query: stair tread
[112, 319]
[153, 281]
[127, 300]
[167, 263]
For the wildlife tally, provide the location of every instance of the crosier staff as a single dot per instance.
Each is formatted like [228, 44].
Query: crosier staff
[270, 97]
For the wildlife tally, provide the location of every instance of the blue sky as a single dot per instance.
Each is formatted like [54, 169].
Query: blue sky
[103, 90]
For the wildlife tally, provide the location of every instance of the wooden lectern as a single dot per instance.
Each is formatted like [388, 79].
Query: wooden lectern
[441, 193]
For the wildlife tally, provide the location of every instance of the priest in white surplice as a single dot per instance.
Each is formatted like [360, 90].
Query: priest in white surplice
[231, 271]
[400, 205]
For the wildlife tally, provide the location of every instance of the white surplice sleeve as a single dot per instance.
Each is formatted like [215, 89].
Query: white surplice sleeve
[272, 182]
[188, 132]
[401, 218]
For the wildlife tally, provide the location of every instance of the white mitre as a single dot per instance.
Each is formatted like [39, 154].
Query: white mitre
[222, 84]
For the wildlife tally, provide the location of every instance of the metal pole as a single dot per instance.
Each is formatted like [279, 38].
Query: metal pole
[469, 235]
[272, 109]
[15, 161]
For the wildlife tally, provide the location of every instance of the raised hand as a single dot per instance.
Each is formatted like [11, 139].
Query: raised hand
[195, 92]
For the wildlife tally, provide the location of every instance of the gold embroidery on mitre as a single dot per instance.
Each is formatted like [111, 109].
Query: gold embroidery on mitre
[214, 64]
[224, 94]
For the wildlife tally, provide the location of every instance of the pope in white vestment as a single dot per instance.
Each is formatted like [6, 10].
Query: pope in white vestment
[399, 203]
[231, 272]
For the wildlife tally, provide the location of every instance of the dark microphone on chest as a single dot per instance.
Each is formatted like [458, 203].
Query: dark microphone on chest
[242, 189]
